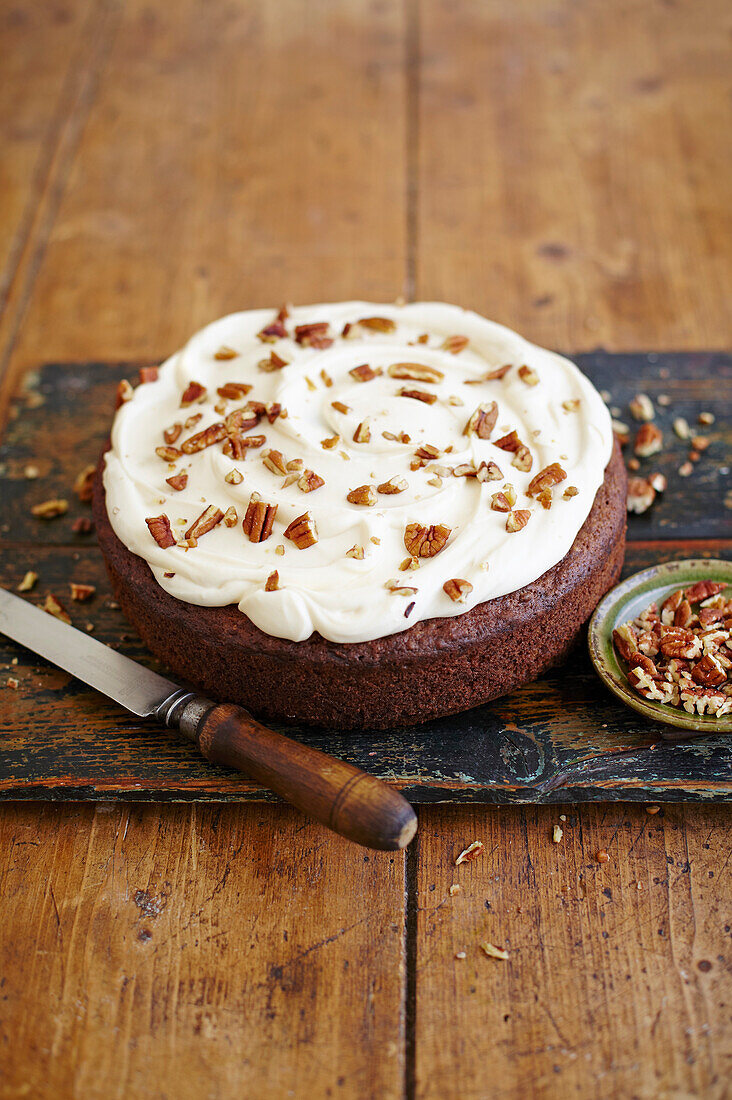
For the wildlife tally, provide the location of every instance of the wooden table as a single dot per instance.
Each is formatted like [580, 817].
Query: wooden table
[558, 166]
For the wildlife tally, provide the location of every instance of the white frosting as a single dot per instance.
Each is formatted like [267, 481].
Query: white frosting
[343, 598]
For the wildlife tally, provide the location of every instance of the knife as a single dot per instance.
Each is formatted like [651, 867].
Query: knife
[345, 799]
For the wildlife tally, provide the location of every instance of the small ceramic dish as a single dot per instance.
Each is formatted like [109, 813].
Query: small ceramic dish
[626, 601]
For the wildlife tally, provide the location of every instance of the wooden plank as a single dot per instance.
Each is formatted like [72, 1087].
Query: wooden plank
[190, 951]
[617, 983]
[569, 175]
[563, 737]
[231, 161]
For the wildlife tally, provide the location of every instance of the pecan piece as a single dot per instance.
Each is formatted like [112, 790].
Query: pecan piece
[273, 363]
[340, 407]
[302, 531]
[362, 433]
[546, 479]
[378, 324]
[236, 446]
[625, 641]
[648, 440]
[177, 481]
[418, 395]
[356, 552]
[148, 374]
[425, 542]
[641, 495]
[702, 590]
[455, 344]
[364, 495]
[364, 373]
[416, 372]
[709, 671]
[680, 643]
[259, 519]
[198, 442]
[56, 608]
[28, 582]
[171, 434]
[225, 352]
[194, 391]
[483, 421]
[209, 518]
[84, 484]
[82, 593]
[273, 582]
[124, 393]
[50, 509]
[159, 527]
[331, 442]
[245, 418]
[528, 375]
[233, 391]
[315, 335]
[82, 526]
[168, 454]
[457, 589]
[230, 517]
[641, 407]
[276, 330]
[488, 471]
[501, 503]
[275, 461]
[393, 485]
[234, 477]
[517, 520]
[309, 481]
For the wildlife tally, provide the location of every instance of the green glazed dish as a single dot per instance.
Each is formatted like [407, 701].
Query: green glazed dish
[626, 601]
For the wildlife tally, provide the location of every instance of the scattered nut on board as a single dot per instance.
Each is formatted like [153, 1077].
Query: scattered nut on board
[471, 852]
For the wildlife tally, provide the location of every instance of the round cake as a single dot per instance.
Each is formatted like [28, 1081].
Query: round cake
[360, 516]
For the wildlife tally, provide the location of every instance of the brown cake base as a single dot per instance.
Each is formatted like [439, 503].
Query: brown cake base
[437, 667]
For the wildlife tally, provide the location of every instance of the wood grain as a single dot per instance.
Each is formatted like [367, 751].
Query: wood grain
[618, 978]
[570, 179]
[153, 952]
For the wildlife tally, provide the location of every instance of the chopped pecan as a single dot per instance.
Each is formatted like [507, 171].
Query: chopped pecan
[56, 608]
[326, 379]
[191, 421]
[464, 469]
[528, 375]
[510, 442]
[233, 391]
[309, 481]
[276, 329]
[457, 589]
[171, 434]
[28, 582]
[82, 526]
[516, 521]
[245, 418]
[680, 643]
[355, 552]
[273, 582]
[331, 442]
[489, 471]
[84, 484]
[425, 542]
[168, 454]
[641, 495]
[209, 518]
[709, 671]
[393, 485]
[364, 373]
[362, 433]
[364, 495]
[275, 461]
[213, 434]
[546, 479]
[626, 641]
[159, 527]
[236, 446]
[418, 395]
[427, 452]
[315, 335]
[455, 344]
[570, 491]
[523, 459]
[648, 440]
[378, 324]
[641, 407]
[571, 405]
[545, 498]
[340, 407]
[225, 352]
[399, 589]
[416, 372]
[483, 421]
[501, 503]
[82, 593]
[50, 509]
[177, 481]
[658, 482]
[148, 374]
[470, 853]
[194, 391]
[124, 393]
[683, 615]
[302, 531]
[272, 363]
[702, 590]
[230, 517]
[234, 477]
[259, 519]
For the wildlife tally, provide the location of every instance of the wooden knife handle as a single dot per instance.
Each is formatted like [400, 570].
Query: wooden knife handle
[350, 802]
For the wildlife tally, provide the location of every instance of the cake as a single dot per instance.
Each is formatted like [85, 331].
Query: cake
[360, 515]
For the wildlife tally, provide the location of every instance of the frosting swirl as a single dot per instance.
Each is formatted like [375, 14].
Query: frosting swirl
[405, 399]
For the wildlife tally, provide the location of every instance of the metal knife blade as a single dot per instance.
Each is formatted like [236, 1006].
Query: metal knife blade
[136, 688]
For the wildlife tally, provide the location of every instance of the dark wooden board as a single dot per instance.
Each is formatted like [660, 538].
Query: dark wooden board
[563, 738]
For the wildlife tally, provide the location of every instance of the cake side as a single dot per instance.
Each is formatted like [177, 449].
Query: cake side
[436, 667]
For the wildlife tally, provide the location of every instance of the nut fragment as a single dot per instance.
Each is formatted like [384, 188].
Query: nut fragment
[276, 330]
[259, 519]
[528, 375]
[50, 509]
[302, 531]
[455, 344]
[209, 518]
[82, 593]
[501, 503]
[425, 542]
[355, 552]
[493, 952]
[681, 427]
[546, 479]
[198, 442]
[272, 363]
[309, 481]
[194, 391]
[457, 589]
[28, 582]
[418, 395]
[168, 454]
[362, 433]
[489, 471]
[273, 582]
[82, 526]
[84, 484]
[315, 335]
[364, 495]
[415, 372]
[641, 407]
[177, 482]
[340, 407]
[230, 517]
[706, 418]
[233, 391]
[225, 352]
[517, 520]
[56, 608]
[648, 440]
[393, 485]
[159, 527]
[234, 477]
[171, 434]
[483, 421]
[571, 405]
[364, 373]
[641, 495]
[378, 324]
[470, 853]
[124, 393]
[275, 461]
[570, 491]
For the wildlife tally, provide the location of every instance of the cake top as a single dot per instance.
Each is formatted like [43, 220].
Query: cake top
[354, 468]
